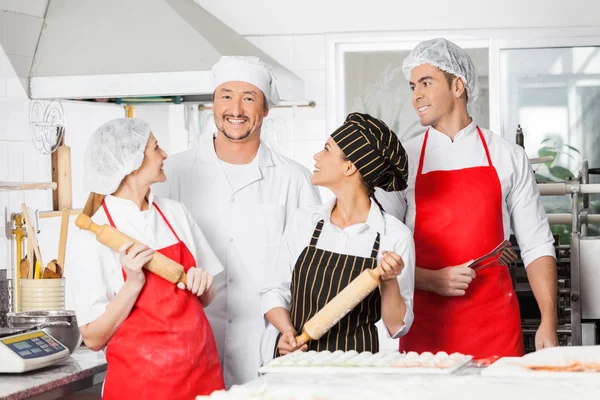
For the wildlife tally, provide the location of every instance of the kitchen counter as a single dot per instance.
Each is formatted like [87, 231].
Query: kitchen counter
[466, 384]
[82, 370]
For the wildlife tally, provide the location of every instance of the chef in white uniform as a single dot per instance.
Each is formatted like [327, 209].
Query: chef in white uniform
[458, 169]
[242, 194]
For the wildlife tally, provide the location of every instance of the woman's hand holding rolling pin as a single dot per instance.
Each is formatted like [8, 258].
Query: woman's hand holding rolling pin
[133, 261]
[390, 265]
[199, 281]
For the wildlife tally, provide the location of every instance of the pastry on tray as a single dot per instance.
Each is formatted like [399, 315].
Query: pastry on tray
[564, 359]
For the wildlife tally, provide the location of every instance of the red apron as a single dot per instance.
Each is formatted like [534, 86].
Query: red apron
[459, 218]
[165, 349]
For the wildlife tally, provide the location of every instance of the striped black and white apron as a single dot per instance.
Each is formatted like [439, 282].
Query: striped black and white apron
[319, 275]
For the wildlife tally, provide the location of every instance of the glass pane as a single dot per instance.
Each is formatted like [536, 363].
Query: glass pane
[374, 84]
[554, 94]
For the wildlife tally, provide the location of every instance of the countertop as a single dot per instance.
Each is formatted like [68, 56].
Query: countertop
[465, 384]
[83, 369]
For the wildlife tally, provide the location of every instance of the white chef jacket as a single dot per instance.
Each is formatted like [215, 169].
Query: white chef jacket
[94, 273]
[244, 226]
[522, 209]
[354, 240]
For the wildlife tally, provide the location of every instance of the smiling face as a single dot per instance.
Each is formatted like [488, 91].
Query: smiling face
[151, 170]
[239, 110]
[433, 98]
[331, 165]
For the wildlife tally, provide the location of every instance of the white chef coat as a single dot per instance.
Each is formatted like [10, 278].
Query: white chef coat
[354, 240]
[244, 226]
[522, 209]
[94, 273]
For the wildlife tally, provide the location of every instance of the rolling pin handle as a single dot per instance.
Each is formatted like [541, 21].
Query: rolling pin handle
[303, 338]
[182, 279]
[84, 222]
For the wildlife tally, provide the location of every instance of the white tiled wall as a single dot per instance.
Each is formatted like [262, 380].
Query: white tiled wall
[304, 129]
[20, 25]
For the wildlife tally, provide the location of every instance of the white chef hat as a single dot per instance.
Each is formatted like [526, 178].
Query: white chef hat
[114, 151]
[447, 56]
[246, 69]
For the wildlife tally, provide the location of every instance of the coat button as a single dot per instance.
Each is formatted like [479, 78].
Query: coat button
[233, 199]
[231, 239]
[230, 321]
[231, 281]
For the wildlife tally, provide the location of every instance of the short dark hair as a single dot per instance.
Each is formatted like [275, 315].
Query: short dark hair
[450, 78]
[265, 102]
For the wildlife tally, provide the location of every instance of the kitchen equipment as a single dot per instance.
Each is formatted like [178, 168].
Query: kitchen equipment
[5, 297]
[61, 325]
[31, 240]
[50, 271]
[24, 268]
[519, 138]
[340, 305]
[353, 362]
[28, 351]
[42, 294]
[61, 173]
[502, 254]
[62, 240]
[114, 239]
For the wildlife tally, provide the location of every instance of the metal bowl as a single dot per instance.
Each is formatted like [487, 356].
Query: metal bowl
[62, 325]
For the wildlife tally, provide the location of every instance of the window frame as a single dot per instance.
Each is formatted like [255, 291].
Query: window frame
[494, 40]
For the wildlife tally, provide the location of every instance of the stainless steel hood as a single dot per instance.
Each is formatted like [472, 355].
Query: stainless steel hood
[137, 48]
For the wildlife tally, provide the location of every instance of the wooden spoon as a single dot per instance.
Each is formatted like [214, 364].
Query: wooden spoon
[24, 268]
[51, 271]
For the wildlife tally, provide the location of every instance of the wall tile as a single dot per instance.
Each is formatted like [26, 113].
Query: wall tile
[15, 88]
[4, 251]
[279, 123]
[308, 52]
[310, 123]
[17, 119]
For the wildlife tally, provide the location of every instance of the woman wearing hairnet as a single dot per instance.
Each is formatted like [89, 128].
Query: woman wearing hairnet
[468, 188]
[326, 246]
[158, 341]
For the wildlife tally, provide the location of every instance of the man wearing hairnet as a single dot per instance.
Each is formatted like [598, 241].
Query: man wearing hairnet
[242, 194]
[468, 189]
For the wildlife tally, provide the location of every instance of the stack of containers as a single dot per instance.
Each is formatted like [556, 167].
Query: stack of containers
[42, 294]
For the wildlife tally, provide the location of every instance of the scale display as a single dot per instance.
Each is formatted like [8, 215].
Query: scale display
[33, 345]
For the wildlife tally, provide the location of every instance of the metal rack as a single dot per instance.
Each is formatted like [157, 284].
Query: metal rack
[578, 269]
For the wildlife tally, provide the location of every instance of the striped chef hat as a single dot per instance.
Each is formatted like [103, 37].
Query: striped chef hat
[375, 151]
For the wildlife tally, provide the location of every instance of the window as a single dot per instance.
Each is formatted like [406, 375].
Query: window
[554, 94]
[374, 84]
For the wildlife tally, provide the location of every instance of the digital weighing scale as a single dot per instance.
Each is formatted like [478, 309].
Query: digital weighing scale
[30, 350]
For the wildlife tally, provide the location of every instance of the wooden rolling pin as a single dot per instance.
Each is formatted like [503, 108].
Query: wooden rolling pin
[114, 239]
[340, 305]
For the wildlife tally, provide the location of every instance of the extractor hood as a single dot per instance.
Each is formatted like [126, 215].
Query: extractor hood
[92, 49]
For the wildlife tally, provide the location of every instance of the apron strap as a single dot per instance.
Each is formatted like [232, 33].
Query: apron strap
[422, 157]
[487, 152]
[110, 220]
[316, 233]
[166, 220]
[375, 247]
